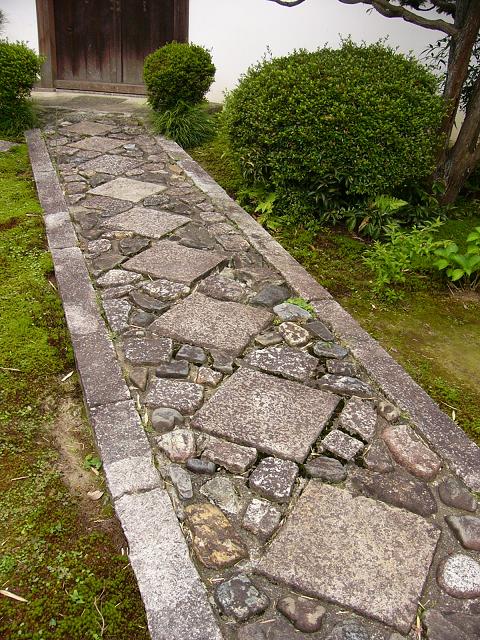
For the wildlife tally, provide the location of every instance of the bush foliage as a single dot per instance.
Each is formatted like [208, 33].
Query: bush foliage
[334, 127]
[19, 70]
[177, 73]
[188, 125]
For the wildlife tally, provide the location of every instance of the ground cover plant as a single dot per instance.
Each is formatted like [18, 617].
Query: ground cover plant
[60, 548]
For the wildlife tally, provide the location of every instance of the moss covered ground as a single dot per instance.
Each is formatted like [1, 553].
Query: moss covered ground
[433, 333]
[60, 550]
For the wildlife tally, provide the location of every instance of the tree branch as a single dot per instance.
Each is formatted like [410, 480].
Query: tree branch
[285, 3]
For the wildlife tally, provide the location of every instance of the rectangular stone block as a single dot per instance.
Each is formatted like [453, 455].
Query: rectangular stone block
[275, 416]
[176, 602]
[49, 192]
[60, 231]
[183, 396]
[355, 552]
[37, 149]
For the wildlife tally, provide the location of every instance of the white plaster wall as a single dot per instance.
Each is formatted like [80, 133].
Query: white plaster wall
[238, 32]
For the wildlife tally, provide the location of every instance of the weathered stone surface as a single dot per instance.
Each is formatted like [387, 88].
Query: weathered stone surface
[341, 368]
[329, 350]
[230, 456]
[354, 552]
[191, 354]
[222, 288]
[441, 628]
[171, 261]
[467, 530]
[348, 630]
[388, 411]
[254, 409]
[467, 623]
[459, 576]
[96, 247]
[412, 454]
[146, 222]
[291, 312]
[175, 599]
[398, 489]
[205, 322]
[293, 334]
[359, 418]
[290, 363]
[454, 494]
[208, 377]
[87, 128]
[97, 143]
[377, 457]
[106, 206]
[271, 629]
[261, 518]
[326, 469]
[148, 303]
[239, 598]
[196, 237]
[147, 350]
[222, 361]
[305, 614]
[214, 540]
[165, 290]
[274, 479]
[178, 445]
[60, 231]
[106, 261]
[173, 369]
[221, 492]
[129, 246]
[139, 377]
[164, 419]
[185, 397]
[203, 467]
[117, 278]
[181, 481]
[268, 339]
[345, 386]
[141, 318]
[319, 330]
[127, 189]
[112, 164]
[270, 295]
[342, 445]
[117, 312]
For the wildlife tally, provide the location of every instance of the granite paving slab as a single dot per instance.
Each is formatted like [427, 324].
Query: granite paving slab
[275, 416]
[127, 189]
[97, 143]
[211, 323]
[146, 222]
[355, 552]
[87, 128]
[114, 165]
[174, 262]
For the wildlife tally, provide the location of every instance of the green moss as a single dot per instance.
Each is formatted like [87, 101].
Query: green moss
[77, 584]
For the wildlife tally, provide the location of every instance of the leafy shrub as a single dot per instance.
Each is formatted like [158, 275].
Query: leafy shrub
[19, 69]
[335, 127]
[461, 267]
[177, 72]
[188, 125]
[403, 253]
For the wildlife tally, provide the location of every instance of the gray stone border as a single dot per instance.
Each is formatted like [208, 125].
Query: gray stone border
[175, 599]
[444, 436]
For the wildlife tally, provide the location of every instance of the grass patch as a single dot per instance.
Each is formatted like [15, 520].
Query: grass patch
[434, 334]
[59, 551]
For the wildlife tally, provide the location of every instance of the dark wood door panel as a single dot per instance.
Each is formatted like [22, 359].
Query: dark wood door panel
[146, 25]
[87, 40]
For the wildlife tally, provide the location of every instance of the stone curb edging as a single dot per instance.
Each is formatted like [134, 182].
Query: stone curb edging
[444, 435]
[174, 597]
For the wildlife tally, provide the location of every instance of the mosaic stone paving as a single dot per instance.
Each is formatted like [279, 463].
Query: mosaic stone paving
[310, 504]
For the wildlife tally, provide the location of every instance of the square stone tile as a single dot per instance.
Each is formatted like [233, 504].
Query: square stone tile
[97, 143]
[146, 222]
[355, 552]
[275, 416]
[87, 128]
[174, 262]
[127, 189]
[213, 324]
[112, 164]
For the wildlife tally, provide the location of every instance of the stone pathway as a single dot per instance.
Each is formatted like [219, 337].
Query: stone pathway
[319, 492]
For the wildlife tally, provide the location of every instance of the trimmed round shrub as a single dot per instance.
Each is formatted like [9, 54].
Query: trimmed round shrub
[176, 73]
[334, 127]
[19, 70]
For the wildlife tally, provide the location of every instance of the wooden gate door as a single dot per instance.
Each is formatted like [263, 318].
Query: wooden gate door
[100, 45]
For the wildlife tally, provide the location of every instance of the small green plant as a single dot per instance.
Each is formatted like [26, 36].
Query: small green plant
[92, 462]
[302, 303]
[188, 125]
[19, 70]
[463, 268]
[177, 73]
[403, 253]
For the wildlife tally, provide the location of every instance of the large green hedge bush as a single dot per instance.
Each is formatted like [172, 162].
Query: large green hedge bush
[177, 73]
[19, 70]
[334, 127]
